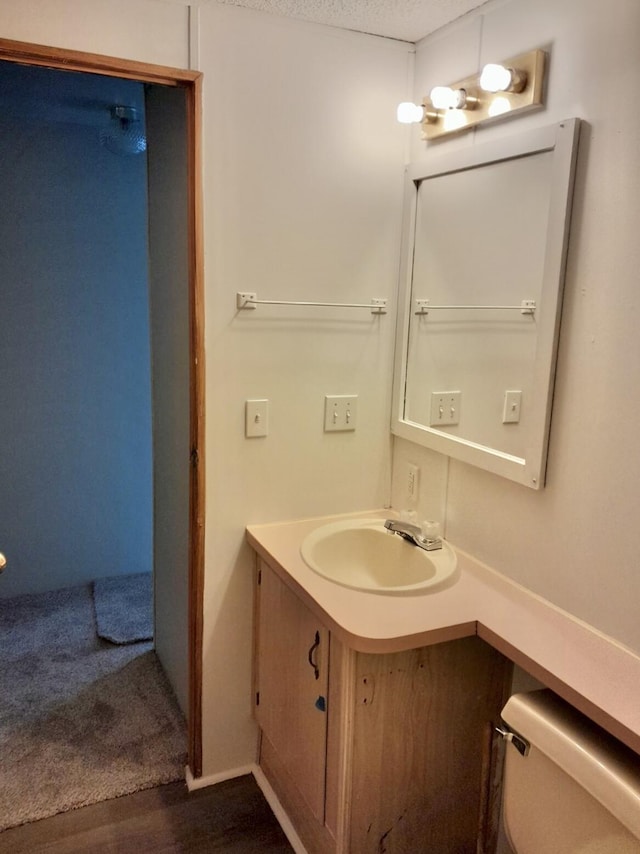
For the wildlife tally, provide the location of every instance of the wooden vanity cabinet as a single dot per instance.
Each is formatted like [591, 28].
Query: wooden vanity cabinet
[291, 687]
[401, 760]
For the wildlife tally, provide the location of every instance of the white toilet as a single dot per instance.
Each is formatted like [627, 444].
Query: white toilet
[576, 791]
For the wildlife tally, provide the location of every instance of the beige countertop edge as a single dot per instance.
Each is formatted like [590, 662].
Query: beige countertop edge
[590, 670]
[357, 642]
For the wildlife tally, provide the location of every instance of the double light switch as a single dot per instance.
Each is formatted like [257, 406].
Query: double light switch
[340, 411]
[445, 408]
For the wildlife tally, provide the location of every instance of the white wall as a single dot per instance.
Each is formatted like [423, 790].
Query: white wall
[303, 191]
[302, 199]
[303, 184]
[573, 542]
[75, 443]
[144, 30]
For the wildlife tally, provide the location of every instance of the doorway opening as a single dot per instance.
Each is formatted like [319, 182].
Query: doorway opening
[170, 99]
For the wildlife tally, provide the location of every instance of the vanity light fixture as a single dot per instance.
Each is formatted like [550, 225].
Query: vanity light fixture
[500, 91]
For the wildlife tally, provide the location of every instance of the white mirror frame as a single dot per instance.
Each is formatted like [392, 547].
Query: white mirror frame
[561, 140]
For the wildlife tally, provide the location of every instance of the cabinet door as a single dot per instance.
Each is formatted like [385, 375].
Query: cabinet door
[422, 728]
[292, 669]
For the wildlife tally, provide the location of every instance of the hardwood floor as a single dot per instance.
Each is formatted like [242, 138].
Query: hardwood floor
[231, 817]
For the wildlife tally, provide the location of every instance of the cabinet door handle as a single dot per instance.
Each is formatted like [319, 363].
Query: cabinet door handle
[314, 647]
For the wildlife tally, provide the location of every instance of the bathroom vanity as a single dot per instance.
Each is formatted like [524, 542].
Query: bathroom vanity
[368, 751]
[377, 711]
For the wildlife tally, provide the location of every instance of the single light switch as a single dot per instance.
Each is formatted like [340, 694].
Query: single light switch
[256, 421]
[512, 407]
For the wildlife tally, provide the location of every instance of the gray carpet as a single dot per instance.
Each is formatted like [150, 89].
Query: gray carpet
[81, 720]
[124, 607]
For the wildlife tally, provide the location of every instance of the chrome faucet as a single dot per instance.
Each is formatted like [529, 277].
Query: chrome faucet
[415, 534]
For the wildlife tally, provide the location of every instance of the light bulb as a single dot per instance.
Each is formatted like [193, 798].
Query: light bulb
[442, 97]
[495, 78]
[446, 98]
[408, 113]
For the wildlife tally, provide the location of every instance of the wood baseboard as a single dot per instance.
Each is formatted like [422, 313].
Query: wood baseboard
[316, 838]
[194, 783]
[278, 810]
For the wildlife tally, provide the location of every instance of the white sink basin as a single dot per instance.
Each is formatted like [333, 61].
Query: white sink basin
[362, 554]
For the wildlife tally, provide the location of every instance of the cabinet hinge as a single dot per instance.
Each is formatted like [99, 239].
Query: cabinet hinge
[195, 457]
[259, 577]
[257, 698]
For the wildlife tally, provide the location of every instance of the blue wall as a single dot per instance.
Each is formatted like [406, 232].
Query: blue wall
[75, 410]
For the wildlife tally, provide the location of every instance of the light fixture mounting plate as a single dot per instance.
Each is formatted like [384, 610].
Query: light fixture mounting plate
[533, 64]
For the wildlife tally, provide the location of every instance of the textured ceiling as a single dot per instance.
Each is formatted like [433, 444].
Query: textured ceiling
[409, 20]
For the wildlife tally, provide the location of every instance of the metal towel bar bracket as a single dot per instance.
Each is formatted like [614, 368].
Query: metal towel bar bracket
[248, 300]
[527, 306]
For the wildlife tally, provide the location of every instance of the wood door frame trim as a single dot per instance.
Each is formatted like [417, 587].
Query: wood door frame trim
[26, 53]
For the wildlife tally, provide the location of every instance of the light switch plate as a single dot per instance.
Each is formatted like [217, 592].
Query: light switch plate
[340, 412]
[256, 418]
[512, 407]
[445, 408]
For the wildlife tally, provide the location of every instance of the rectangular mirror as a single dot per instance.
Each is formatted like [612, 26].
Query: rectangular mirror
[485, 238]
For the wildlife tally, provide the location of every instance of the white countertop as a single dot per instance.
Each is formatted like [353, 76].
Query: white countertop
[590, 670]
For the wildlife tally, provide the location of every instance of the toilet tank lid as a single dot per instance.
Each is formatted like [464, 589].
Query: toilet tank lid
[604, 767]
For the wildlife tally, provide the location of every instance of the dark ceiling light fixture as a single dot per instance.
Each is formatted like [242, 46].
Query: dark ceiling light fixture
[125, 134]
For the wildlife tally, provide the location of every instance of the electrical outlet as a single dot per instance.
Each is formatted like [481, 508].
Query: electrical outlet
[445, 408]
[413, 483]
[340, 412]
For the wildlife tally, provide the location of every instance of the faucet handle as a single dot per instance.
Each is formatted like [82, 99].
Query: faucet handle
[431, 529]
